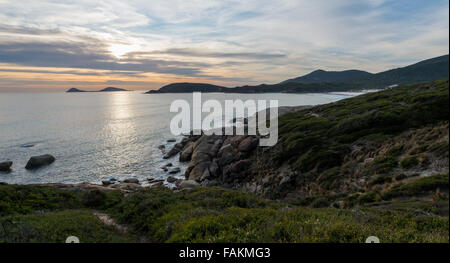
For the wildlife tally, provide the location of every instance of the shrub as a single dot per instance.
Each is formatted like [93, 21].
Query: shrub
[419, 186]
[320, 202]
[409, 162]
[380, 179]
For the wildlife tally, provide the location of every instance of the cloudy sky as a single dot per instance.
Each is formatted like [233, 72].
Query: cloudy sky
[141, 44]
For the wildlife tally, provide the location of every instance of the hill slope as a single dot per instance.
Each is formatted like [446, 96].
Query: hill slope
[320, 76]
[188, 87]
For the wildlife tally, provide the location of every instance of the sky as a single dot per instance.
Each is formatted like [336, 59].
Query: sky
[142, 45]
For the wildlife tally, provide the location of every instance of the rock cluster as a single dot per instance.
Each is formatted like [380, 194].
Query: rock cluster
[216, 159]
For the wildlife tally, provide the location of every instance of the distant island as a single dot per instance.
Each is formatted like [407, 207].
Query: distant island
[107, 89]
[331, 81]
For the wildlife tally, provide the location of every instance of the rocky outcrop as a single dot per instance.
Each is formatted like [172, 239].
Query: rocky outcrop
[39, 161]
[131, 181]
[5, 166]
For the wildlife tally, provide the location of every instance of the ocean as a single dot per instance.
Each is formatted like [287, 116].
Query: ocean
[102, 134]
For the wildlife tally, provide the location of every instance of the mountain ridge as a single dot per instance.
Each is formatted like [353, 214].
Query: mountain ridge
[321, 75]
[333, 81]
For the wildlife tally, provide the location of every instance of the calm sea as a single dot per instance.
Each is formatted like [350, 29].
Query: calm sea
[97, 135]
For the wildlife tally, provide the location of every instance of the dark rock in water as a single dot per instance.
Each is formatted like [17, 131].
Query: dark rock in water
[175, 170]
[5, 166]
[154, 180]
[27, 145]
[175, 150]
[171, 140]
[108, 180]
[38, 161]
[171, 179]
[131, 181]
[162, 147]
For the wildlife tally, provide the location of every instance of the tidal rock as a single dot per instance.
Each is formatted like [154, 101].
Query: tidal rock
[5, 166]
[107, 182]
[157, 184]
[131, 181]
[171, 179]
[154, 180]
[186, 154]
[175, 150]
[174, 170]
[38, 161]
[171, 140]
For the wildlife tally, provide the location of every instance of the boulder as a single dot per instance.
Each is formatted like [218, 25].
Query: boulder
[38, 161]
[186, 154]
[198, 171]
[5, 166]
[214, 169]
[236, 140]
[248, 144]
[131, 181]
[200, 157]
[240, 166]
[227, 154]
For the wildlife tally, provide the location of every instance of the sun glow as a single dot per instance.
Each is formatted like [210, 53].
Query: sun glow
[118, 50]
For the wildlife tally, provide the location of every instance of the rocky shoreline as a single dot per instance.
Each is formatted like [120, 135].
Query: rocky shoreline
[227, 161]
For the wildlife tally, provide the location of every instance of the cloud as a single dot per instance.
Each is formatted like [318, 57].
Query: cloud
[228, 41]
[87, 56]
[188, 52]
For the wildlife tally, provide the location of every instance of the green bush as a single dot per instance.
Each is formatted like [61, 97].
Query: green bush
[409, 162]
[380, 179]
[419, 186]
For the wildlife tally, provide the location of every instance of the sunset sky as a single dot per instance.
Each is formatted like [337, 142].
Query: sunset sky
[142, 44]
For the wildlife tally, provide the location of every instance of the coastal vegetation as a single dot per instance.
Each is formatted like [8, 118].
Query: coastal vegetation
[204, 214]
